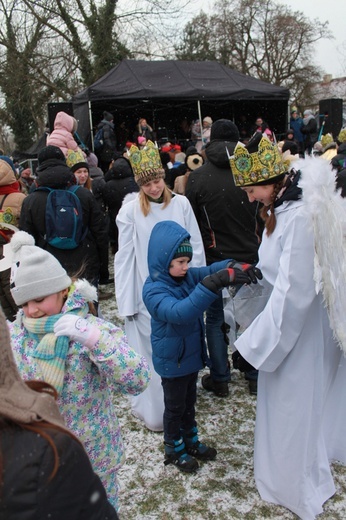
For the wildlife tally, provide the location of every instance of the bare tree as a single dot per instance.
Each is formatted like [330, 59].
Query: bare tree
[51, 49]
[259, 38]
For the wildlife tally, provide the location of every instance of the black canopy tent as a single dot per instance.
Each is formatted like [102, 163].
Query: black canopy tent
[165, 92]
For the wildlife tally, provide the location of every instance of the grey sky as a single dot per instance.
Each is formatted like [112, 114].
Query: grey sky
[329, 54]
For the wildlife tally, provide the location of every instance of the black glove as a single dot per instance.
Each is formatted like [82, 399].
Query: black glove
[219, 280]
[251, 270]
[224, 278]
[239, 363]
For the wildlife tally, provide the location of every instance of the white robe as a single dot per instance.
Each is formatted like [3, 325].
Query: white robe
[300, 419]
[131, 271]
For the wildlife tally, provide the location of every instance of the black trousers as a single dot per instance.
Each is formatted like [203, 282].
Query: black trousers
[179, 399]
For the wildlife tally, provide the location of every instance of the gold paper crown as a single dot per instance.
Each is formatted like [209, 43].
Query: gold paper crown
[326, 139]
[7, 217]
[146, 163]
[342, 136]
[254, 168]
[74, 157]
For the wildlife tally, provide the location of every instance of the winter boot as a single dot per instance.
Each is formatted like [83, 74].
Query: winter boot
[196, 448]
[220, 388]
[175, 453]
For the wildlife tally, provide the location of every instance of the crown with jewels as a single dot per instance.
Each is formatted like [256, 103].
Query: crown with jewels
[146, 163]
[256, 167]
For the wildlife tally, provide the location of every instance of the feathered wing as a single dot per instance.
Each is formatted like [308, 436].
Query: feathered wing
[327, 212]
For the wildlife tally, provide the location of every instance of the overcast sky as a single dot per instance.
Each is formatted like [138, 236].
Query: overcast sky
[328, 56]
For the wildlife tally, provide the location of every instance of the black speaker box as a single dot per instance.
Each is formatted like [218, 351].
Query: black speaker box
[54, 108]
[331, 115]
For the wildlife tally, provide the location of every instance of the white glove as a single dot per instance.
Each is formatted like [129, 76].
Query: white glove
[77, 329]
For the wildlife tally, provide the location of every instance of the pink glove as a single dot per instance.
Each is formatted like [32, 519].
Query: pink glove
[77, 329]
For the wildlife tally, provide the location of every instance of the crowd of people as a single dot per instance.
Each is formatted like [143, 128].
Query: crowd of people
[185, 227]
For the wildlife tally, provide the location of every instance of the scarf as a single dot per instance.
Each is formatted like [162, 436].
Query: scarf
[18, 402]
[10, 188]
[51, 351]
[307, 118]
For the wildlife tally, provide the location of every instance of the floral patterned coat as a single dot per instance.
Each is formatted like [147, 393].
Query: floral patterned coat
[92, 379]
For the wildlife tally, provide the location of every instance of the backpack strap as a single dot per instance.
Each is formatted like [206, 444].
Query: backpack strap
[3, 200]
[74, 188]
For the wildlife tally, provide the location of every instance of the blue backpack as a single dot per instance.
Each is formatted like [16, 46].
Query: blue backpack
[98, 140]
[64, 218]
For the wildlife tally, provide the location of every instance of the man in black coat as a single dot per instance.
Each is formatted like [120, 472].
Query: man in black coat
[90, 258]
[109, 146]
[227, 221]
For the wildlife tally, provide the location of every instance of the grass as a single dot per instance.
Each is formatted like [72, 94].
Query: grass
[223, 489]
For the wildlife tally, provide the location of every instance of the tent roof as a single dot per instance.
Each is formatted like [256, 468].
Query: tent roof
[208, 80]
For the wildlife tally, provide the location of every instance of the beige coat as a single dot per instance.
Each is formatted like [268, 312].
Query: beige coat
[13, 200]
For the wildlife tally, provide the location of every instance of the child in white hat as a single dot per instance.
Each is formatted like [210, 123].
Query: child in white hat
[56, 339]
[45, 469]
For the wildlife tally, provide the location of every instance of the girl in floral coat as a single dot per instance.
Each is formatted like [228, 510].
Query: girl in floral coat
[55, 338]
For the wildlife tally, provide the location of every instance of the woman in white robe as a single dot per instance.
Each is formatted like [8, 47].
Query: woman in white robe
[131, 271]
[300, 418]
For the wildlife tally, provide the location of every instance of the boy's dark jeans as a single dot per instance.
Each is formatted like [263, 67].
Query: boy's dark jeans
[180, 398]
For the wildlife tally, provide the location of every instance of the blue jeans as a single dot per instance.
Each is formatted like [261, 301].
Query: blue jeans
[216, 341]
[179, 395]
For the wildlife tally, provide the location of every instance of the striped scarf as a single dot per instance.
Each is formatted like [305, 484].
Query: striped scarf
[51, 350]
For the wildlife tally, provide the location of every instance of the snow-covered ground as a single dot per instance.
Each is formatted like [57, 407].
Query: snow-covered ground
[223, 489]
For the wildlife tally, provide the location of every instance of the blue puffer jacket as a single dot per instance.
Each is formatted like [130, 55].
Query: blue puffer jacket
[176, 307]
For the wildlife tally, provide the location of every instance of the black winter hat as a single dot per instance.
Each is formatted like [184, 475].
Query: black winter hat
[224, 130]
[50, 152]
[107, 116]
[291, 146]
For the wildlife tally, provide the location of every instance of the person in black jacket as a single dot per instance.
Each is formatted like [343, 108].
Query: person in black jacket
[227, 221]
[119, 181]
[309, 130]
[45, 471]
[90, 258]
[109, 146]
[144, 130]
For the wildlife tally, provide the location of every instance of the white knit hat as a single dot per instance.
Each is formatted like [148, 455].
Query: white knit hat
[35, 273]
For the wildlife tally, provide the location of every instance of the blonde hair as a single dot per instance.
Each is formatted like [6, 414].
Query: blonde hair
[144, 200]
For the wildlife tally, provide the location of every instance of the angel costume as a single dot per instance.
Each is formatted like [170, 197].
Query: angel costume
[300, 419]
[131, 271]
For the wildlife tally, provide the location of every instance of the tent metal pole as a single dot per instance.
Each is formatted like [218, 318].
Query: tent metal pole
[91, 125]
[200, 118]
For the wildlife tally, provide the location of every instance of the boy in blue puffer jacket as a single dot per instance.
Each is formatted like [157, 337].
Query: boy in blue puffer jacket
[176, 298]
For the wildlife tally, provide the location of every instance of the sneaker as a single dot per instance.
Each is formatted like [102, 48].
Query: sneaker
[176, 454]
[220, 388]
